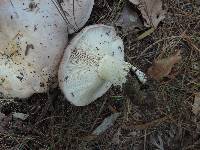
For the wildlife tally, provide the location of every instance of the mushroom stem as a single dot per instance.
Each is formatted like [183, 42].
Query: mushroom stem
[140, 75]
[113, 70]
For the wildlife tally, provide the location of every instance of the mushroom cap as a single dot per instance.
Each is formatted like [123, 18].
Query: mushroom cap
[88, 68]
[77, 13]
[33, 37]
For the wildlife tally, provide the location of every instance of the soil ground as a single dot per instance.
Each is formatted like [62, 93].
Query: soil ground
[157, 116]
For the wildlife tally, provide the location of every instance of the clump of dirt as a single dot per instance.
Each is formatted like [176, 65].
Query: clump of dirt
[155, 116]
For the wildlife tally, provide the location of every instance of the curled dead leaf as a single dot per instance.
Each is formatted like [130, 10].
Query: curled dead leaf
[196, 105]
[151, 11]
[162, 67]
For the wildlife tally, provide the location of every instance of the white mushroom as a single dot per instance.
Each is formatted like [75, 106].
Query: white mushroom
[33, 37]
[93, 61]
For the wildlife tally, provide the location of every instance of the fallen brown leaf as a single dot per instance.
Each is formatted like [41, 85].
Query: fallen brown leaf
[151, 11]
[162, 67]
[196, 105]
[129, 20]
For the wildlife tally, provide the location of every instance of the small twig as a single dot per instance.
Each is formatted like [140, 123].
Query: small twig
[149, 124]
[158, 41]
[189, 41]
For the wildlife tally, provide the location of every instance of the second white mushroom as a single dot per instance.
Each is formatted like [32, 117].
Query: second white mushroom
[93, 61]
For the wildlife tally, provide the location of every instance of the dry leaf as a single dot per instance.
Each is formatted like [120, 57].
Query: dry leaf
[196, 105]
[107, 123]
[129, 20]
[151, 11]
[162, 67]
